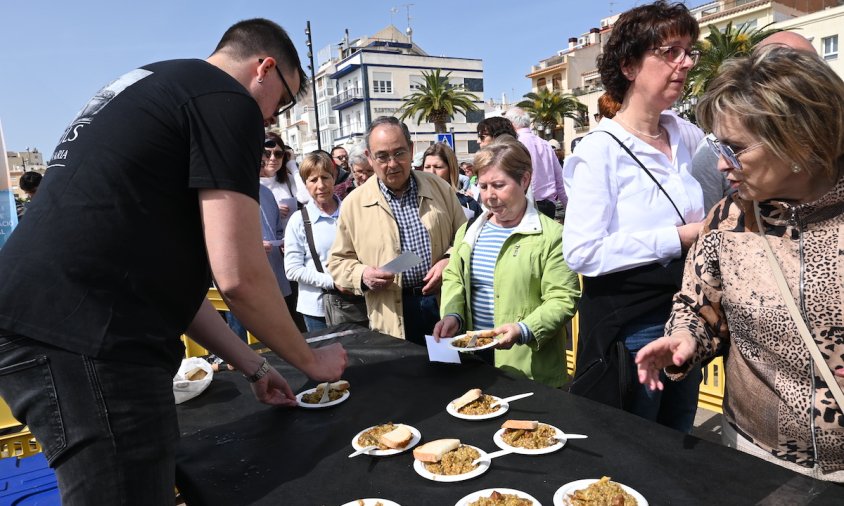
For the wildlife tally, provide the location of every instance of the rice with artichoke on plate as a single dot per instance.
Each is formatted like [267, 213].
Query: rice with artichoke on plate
[602, 493]
[370, 437]
[455, 462]
[314, 397]
[480, 406]
[499, 499]
[543, 437]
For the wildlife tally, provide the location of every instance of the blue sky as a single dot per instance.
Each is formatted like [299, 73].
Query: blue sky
[56, 55]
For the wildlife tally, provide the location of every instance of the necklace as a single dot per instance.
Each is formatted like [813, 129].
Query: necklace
[649, 136]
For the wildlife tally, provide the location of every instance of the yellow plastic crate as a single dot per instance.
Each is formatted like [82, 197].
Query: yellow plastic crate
[20, 444]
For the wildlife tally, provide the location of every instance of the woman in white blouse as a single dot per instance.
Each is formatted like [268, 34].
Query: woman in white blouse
[323, 209]
[634, 210]
[286, 185]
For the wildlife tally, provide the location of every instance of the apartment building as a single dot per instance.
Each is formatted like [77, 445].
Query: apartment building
[573, 69]
[370, 77]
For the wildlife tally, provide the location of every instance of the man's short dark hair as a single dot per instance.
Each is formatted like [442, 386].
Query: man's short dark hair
[335, 148]
[29, 181]
[495, 126]
[256, 38]
[390, 121]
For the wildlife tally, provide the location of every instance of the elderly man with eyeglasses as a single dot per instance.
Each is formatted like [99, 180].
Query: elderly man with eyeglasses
[397, 211]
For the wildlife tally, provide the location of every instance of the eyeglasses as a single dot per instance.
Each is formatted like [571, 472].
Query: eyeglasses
[728, 152]
[277, 153]
[398, 157]
[676, 54]
[341, 158]
[282, 107]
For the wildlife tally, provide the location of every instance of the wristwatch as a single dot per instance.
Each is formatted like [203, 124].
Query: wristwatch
[260, 373]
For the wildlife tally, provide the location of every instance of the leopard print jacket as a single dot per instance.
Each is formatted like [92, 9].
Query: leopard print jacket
[731, 305]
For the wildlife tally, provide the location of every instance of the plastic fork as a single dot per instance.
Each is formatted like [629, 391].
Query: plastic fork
[490, 456]
[325, 393]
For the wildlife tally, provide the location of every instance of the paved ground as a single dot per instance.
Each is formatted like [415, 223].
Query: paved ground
[707, 425]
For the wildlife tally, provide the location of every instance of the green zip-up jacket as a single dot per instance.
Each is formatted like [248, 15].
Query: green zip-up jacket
[532, 284]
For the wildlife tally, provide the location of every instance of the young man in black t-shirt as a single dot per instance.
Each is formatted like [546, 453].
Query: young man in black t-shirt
[152, 188]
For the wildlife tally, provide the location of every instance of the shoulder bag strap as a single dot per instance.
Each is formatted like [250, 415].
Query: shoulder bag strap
[306, 220]
[823, 367]
[625, 148]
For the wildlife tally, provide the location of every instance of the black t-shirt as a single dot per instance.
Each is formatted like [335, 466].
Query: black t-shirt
[110, 260]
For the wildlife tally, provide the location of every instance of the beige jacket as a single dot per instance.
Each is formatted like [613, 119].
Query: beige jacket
[368, 235]
[731, 304]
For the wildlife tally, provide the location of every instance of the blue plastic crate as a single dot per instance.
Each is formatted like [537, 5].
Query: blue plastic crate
[28, 481]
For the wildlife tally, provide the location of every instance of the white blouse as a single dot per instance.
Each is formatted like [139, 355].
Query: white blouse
[617, 218]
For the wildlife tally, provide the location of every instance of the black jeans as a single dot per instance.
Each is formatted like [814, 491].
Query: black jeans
[108, 428]
[421, 313]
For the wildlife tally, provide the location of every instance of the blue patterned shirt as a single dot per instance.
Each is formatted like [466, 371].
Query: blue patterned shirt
[412, 233]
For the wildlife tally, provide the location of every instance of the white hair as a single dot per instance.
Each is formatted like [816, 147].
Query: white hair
[357, 154]
[518, 117]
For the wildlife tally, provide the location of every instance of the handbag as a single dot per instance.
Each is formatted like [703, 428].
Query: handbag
[339, 307]
[802, 328]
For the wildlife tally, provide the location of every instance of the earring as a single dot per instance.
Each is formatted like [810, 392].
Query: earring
[260, 79]
[795, 168]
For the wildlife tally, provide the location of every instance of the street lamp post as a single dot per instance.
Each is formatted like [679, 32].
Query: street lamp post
[313, 84]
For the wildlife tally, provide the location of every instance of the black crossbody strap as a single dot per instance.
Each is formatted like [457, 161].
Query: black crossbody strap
[625, 148]
[309, 233]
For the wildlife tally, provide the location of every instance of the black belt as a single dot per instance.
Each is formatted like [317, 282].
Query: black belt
[415, 290]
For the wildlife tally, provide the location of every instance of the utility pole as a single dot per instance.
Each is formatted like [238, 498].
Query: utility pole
[313, 84]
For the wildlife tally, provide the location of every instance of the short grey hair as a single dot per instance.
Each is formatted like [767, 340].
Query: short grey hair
[389, 121]
[518, 117]
[357, 155]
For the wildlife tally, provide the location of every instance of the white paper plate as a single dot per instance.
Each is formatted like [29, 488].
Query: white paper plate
[419, 467]
[372, 502]
[499, 441]
[474, 496]
[502, 408]
[417, 436]
[475, 348]
[306, 405]
[562, 494]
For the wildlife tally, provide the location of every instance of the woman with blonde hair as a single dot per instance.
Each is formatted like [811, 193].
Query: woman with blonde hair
[777, 116]
[439, 159]
[512, 250]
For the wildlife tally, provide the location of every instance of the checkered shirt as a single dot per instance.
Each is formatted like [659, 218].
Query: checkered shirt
[412, 233]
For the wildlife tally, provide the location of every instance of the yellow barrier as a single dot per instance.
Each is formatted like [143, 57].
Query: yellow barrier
[7, 421]
[19, 444]
[711, 394]
[193, 349]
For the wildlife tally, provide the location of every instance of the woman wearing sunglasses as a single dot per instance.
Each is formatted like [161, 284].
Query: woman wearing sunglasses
[634, 210]
[778, 117]
[284, 180]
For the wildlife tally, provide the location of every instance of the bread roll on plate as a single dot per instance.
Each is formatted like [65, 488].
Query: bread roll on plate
[434, 450]
[396, 438]
[470, 396]
[520, 424]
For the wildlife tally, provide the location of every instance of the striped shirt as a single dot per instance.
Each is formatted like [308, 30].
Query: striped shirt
[412, 233]
[484, 258]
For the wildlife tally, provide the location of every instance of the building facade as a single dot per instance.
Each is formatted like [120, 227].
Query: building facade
[573, 69]
[370, 77]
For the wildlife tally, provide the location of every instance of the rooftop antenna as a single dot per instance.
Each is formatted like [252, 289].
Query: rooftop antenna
[612, 7]
[393, 12]
[409, 30]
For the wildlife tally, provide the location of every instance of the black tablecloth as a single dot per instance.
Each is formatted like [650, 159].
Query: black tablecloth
[235, 450]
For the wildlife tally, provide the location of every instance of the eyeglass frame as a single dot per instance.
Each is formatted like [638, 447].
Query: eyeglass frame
[390, 157]
[730, 155]
[278, 153]
[693, 54]
[282, 109]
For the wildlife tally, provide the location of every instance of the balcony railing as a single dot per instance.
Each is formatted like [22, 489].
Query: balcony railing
[345, 96]
[349, 130]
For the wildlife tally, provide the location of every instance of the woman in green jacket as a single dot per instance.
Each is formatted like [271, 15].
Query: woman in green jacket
[507, 272]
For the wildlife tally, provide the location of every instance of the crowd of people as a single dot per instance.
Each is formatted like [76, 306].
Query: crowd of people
[675, 271]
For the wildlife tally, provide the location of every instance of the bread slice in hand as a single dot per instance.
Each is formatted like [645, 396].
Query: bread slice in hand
[434, 451]
[520, 424]
[470, 396]
[340, 386]
[396, 438]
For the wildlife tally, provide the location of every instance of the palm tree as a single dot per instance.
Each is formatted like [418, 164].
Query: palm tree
[549, 108]
[437, 101]
[716, 48]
